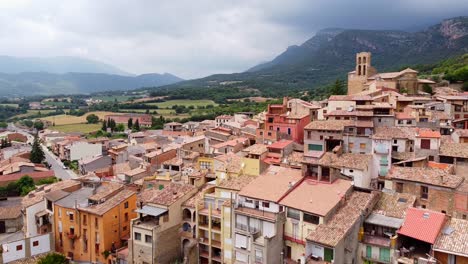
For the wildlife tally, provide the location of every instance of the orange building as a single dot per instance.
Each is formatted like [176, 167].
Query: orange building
[93, 221]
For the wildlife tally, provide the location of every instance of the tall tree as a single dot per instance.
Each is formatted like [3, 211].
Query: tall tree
[130, 123]
[104, 125]
[137, 125]
[37, 155]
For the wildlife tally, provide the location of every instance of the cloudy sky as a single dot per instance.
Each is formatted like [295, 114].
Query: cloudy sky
[195, 38]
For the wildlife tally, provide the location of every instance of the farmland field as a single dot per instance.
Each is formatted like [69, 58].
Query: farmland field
[34, 112]
[69, 119]
[166, 113]
[10, 105]
[112, 98]
[83, 128]
[170, 103]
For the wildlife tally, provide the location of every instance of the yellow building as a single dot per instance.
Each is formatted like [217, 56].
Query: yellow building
[252, 162]
[93, 221]
[214, 219]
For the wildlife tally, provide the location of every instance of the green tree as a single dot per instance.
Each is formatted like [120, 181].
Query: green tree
[25, 185]
[130, 123]
[38, 125]
[137, 125]
[37, 155]
[53, 258]
[92, 119]
[427, 88]
[3, 124]
[338, 88]
[465, 86]
[120, 128]
[28, 123]
[104, 125]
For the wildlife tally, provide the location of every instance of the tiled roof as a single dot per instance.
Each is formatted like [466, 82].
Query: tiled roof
[394, 204]
[280, 144]
[329, 124]
[346, 160]
[454, 237]
[167, 196]
[112, 202]
[316, 197]
[36, 175]
[427, 133]
[256, 149]
[332, 232]
[432, 176]
[236, 183]
[350, 98]
[459, 150]
[272, 184]
[11, 212]
[230, 162]
[107, 188]
[394, 132]
[198, 196]
[37, 195]
[423, 225]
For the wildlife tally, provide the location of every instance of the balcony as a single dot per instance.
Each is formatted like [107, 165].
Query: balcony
[376, 240]
[255, 213]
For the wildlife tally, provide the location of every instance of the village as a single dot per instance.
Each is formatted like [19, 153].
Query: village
[379, 175]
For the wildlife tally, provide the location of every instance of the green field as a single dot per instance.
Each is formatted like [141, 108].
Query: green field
[57, 103]
[170, 103]
[166, 113]
[10, 105]
[112, 98]
[35, 112]
[84, 128]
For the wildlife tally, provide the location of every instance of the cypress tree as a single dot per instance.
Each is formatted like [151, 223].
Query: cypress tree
[37, 155]
[130, 123]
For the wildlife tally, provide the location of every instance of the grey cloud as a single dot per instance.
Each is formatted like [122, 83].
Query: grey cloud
[194, 38]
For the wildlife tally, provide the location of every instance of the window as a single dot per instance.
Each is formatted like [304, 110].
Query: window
[35, 243]
[126, 205]
[85, 220]
[261, 133]
[350, 145]
[137, 236]
[321, 137]
[395, 141]
[313, 219]
[266, 204]
[124, 228]
[126, 217]
[294, 214]
[71, 216]
[309, 134]
[400, 121]
[394, 148]
[148, 239]
[368, 251]
[19, 247]
[270, 128]
[362, 145]
[96, 222]
[424, 192]
[425, 143]
[315, 147]
[289, 131]
[380, 120]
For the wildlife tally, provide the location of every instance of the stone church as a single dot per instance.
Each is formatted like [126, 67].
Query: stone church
[366, 78]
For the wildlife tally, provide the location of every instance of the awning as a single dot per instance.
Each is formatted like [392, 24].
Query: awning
[382, 220]
[41, 213]
[151, 210]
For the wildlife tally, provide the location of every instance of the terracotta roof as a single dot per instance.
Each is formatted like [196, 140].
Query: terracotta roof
[431, 176]
[11, 212]
[329, 124]
[232, 142]
[315, 197]
[423, 225]
[167, 196]
[346, 160]
[273, 184]
[427, 133]
[107, 188]
[350, 98]
[229, 162]
[394, 132]
[236, 183]
[256, 149]
[332, 232]
[453, 238]
[37, 195]
[35, 175]
[112, 202]
[394, 204]
[459, 150]
[198, 196]
[280, 144]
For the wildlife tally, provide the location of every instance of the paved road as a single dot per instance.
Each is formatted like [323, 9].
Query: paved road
[57, 166]
[55, 162]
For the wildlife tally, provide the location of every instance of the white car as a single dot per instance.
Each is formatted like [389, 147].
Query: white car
[64, 167]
